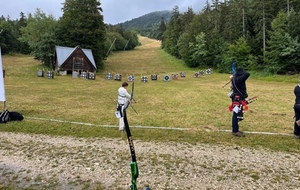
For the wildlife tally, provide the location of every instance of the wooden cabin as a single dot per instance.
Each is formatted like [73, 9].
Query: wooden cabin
[74, 59]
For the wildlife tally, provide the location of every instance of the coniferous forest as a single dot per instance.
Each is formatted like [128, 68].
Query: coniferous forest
[259, 35]
[81, 24]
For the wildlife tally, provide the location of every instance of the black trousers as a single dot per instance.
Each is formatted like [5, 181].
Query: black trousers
[297, 117]
[296, 127]
[119, 108]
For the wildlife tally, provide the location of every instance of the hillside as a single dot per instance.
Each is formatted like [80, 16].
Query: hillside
[69, 138]
[148, 20]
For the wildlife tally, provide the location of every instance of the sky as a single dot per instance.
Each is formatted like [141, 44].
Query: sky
[114, 11]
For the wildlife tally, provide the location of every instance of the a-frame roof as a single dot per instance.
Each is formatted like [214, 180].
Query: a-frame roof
[63, 53]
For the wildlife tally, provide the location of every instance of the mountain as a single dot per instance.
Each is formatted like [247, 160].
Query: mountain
[148, 20]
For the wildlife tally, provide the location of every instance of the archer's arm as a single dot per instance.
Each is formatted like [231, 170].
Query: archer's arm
[244, 77]
[127, 95]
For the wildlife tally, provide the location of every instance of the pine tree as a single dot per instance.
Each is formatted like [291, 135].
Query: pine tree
[82, 24]
[161, 30]
[173, 33]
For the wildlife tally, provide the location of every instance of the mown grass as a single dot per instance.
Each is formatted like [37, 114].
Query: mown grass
[197, 104]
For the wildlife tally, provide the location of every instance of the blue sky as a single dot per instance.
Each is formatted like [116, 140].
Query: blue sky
[114, 11]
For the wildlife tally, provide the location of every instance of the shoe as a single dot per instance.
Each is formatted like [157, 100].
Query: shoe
[238, 134]
[297, 136]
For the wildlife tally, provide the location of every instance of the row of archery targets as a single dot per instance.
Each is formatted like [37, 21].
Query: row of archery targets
[120, 77]
[154, 77]
[75, 74]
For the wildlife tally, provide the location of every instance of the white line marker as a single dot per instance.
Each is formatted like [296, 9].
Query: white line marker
[112, 126]
[149, 127]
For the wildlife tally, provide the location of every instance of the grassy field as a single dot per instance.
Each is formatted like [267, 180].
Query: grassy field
[199, 105]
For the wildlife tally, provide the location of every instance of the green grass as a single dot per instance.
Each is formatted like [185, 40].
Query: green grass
[197, 104]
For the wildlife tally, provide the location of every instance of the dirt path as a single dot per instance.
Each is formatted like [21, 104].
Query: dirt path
[44, 162]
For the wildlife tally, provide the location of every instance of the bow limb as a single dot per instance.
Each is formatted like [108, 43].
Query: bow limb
[132, 93]
[133, 164]
[132, 98]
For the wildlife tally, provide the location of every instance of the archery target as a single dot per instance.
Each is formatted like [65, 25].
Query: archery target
[91, 76]
[50, 74]
[209, 71]
[182, 74]
[118, 77]
[130, 78]
[167, 78]
[174, 76]
[84, 75]
[109, 76]
[144, 79]
[154, 77]
[40, 73]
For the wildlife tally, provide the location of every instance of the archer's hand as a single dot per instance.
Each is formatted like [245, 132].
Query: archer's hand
[231, 76]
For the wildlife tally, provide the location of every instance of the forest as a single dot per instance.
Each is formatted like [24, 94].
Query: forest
[258, 35]
[81, 24]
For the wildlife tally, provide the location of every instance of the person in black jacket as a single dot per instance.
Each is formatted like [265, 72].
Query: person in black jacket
[239, 94]
[297, 111]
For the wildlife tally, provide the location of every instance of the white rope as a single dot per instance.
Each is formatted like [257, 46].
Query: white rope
[262, 133]
[149, 127]
[111, 126]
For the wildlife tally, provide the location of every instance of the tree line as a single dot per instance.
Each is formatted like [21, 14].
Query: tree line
[81, 24]
[259, 35]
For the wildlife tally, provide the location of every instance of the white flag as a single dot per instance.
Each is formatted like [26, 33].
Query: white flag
[2, 87]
